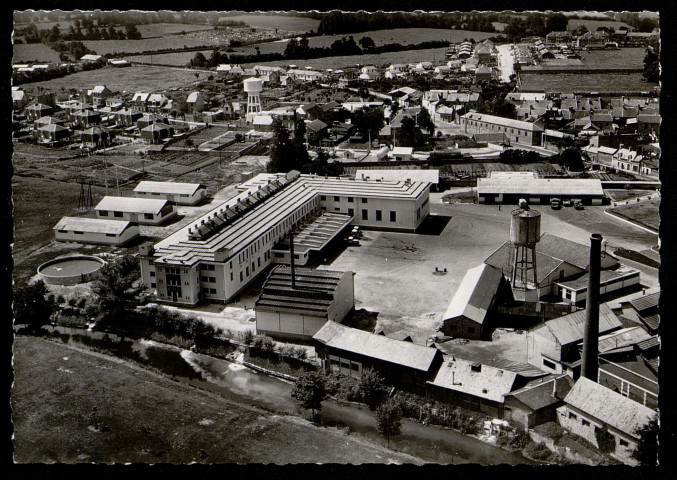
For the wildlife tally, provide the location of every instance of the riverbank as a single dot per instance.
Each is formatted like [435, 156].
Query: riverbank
[73, 405]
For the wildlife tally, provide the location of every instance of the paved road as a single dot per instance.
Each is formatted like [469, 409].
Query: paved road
[506, 61]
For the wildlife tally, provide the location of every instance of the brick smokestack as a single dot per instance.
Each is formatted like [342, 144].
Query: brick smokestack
[591, 330]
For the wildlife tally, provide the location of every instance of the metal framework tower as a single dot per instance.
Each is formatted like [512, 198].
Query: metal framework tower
[525, 233]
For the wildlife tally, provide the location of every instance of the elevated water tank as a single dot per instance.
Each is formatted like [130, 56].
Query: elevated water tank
[253, 85]
[525, 226]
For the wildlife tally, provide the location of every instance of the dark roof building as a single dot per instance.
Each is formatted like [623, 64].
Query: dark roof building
[297, 312]
[536, 402]
[349, 351]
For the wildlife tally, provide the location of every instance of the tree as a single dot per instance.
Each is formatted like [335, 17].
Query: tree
[556, 22]
[115, 290]
[571, 159]
[605, 441]
[652, 67]
[389, 419]
[198, 60]
[283, 152]
[367, 43]
[309, 390]
[32, 307]
[646, 452]
[369, 119]
[370, 387]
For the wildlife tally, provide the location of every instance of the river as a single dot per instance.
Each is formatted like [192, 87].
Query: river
[243, 385]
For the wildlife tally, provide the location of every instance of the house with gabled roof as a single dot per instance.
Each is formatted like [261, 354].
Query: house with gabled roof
[589, 407]
[536, 403]
[96, 230]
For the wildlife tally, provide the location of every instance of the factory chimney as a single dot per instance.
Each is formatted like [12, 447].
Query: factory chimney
[291, 258]
[591, 330]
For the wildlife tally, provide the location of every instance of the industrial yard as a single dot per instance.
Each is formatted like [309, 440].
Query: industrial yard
[440, 248]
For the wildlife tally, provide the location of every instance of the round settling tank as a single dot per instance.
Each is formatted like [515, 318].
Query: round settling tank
[525, 227]
[70, 270]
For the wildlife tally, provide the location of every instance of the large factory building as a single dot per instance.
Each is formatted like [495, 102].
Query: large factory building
[509, 188]
[221, 253]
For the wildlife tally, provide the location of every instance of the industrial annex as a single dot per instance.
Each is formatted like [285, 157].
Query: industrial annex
[221, 253]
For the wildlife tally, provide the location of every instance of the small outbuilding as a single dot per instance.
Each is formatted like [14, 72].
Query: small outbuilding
[139, 210]
[96, 230]
[175, 192]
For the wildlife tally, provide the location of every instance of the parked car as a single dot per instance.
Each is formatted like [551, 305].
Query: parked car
[353, 241]
[578, 205]
[567, 203]
[555, 203]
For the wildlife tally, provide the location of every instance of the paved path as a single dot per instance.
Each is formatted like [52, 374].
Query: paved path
[506, 61]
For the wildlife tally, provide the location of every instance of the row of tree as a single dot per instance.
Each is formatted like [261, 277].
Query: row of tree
[32, 34]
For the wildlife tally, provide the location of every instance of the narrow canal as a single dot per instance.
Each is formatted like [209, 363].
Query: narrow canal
[243, 385]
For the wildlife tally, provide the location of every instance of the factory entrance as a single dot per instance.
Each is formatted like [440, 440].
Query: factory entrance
[174, 293]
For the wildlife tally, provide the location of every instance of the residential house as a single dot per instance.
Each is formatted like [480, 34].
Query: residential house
[195, 102]
[38, 110]
[522, 132]
[97, 136]
[316, 131]
[626, 160]
[155, 102]
[53, 134]
[19, 98]
[482, 74]
[97, 96]
[86, 118]
[590, 407]
[127, 117]
[139, 101]
[155, 133]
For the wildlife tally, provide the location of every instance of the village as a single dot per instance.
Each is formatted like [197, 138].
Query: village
[437, 242]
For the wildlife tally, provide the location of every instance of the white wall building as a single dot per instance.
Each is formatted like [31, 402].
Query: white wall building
[95, 230]
[140, 210]
[175, 192]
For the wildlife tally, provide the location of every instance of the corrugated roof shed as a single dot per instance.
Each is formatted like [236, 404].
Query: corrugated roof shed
[609, 407]
[569, 328]
[475, 294]
[645, 303]
[622, 338]
[168, 187]
[475, 379]
[131, 204]
[92, 225]
[502, 259]
[379, 347]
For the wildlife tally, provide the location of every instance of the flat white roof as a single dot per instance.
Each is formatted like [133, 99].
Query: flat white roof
[168, 187]
[432, 175]
[131, 204]
[403, 151]
[540, 186]
[92, 225]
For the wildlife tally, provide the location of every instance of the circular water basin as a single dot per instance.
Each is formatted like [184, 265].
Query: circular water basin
[70, 270]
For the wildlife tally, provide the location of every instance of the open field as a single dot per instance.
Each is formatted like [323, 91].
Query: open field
[33, 52]
[160, 29]
[104, 47]
[130, 79]
[382, 59]
[643, 212]
[77, 406]
[404, 36]
[593, 25]
[623, 194]
[281, 22]
[572, 82]
[178, 59]
[622, 58]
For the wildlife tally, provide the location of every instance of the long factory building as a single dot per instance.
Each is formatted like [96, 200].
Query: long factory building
[221, 253]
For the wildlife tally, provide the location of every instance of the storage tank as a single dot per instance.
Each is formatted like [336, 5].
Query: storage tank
[253, 85]
[383, 152]
[525, 226]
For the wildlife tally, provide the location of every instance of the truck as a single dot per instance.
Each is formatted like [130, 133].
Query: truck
[555, 203]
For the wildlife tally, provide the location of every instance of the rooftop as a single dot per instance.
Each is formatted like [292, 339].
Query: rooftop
[507, 122]
[92, 225]
[377, 346]
[168, 187]
[569, 328]
[475, 294]
[609, 407]
[538, 394]
[541, 186]
[645, 303]
[399, 175]
[131, 204]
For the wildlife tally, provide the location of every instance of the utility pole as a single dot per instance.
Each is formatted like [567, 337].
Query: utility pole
[117, 180]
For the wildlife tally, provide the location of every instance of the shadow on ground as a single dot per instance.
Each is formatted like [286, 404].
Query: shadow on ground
[361, 319]
[433, 225]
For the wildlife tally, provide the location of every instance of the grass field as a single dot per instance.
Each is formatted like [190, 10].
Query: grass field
[103, 47]
[33, 52]
[281, 22]
[76, 406]
[592, 82]
[179, 59]
[623, 58]
[130, 79]
[382, 59]
[623, 195]
[643, 212]
[160, 29]
[404, 36]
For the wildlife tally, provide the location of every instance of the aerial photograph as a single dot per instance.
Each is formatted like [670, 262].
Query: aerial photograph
[336, 237]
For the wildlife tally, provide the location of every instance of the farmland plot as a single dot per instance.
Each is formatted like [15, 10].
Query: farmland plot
[104, 47]
[572, 82]
[281, 22]
[161, 29]
[33, 52]
[177, 59]
[623, 58]
[593, 25]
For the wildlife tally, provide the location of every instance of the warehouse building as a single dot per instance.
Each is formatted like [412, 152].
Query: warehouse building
[467, 314]
[494, 190]
[95, 230]
[517, 131]
[235, 241]
[175, 192]
[140, 210]
[296, 311]
[349, 351]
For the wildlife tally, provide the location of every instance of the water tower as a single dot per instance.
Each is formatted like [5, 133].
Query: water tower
[253, 87]
[525, 232]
